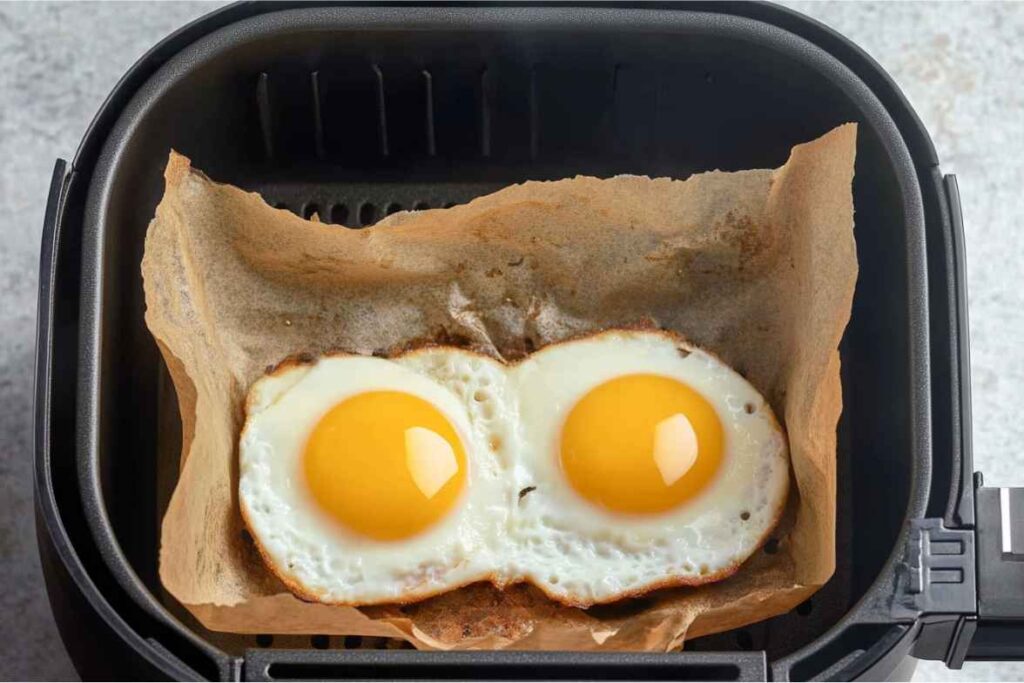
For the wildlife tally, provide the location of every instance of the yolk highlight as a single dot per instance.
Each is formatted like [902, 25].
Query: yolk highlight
[641, 444]
[385, 464]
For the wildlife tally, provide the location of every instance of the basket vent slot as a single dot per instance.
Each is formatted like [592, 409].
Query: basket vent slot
[485, 113]
[428, 91]
[318, 117]
[367, 214]
[263, 103]
[534, 115]
[382, 111]
[339, 214]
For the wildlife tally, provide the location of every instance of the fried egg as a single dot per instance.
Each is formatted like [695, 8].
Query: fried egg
[364, 481]
[649, 463]
[596, 469]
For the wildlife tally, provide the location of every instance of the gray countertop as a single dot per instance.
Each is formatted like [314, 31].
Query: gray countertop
[959, 64]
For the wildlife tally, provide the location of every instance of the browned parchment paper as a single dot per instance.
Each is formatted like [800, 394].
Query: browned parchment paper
[757, 266]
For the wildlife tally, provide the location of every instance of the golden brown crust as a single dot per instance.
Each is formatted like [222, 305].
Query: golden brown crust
[424, 346]
[680, 581]
[567, 601]
[302, 594]
[296, 360]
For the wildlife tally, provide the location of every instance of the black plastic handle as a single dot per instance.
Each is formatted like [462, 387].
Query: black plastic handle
[997, 633]
[1000, 542]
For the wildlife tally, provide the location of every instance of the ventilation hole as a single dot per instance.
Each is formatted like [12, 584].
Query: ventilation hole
[688, 566]
[744, 515]
[804, 608]
[353, 642]
[750, 408]
[553, 580]
[479, 396]
[320, 642]
[367, 214]
[683, 352]
[495, 443]
[264, 640]
[421, 205]
[309, 209]
[703, 570]
[449, 205]
[393, 207]
[525, 492]
[339, 214]
[772, 546]
[744, 640]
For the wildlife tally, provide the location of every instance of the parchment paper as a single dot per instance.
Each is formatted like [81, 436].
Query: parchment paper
[756, 266]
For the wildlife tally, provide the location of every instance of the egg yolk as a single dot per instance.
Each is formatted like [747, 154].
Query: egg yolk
[641, 444]
[385, 464]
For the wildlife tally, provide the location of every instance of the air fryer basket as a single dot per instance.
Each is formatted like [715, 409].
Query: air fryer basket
[354, 112]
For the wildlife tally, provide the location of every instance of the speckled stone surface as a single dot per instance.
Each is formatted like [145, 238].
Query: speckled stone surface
[958, 63]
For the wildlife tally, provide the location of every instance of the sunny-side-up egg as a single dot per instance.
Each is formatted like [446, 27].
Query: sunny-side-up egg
[596, 469]
[649, 463]
[365, 480]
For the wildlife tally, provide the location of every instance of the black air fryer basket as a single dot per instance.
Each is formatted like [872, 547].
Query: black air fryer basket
[352, 111]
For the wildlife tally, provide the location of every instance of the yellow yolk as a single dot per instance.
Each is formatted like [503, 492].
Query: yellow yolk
[385, 464]
[641, 444]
